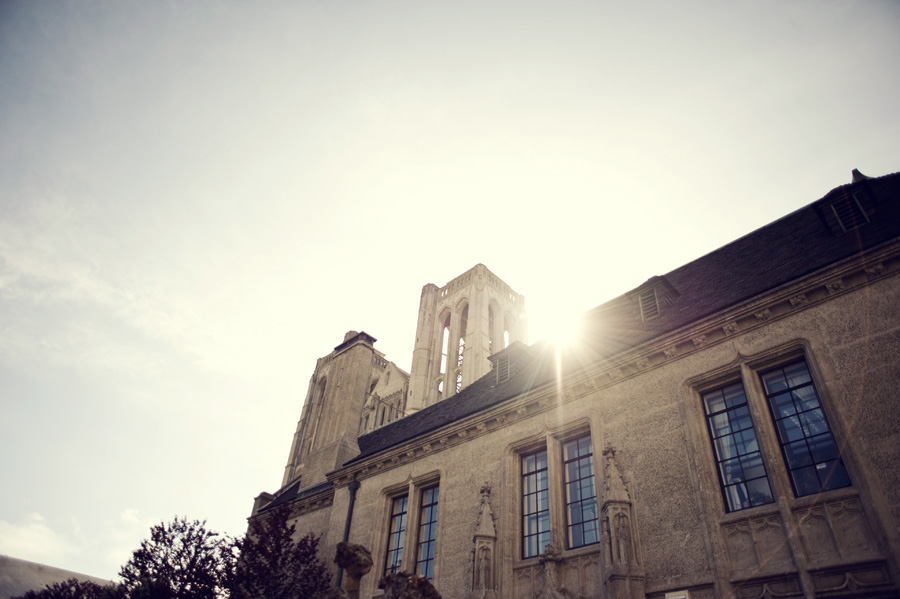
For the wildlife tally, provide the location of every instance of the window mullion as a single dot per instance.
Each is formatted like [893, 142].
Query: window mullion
[557, 494]
[412, 529]
[765, 432]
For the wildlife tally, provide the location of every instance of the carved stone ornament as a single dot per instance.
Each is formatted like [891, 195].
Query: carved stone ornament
[876, 270]
[799, 300]
[401, 585]
[356, 561]
[699, 340]
[835, 286]
[643, 364]
[615, 374]
[553, 588]
[763, 315]
[670, 352]
[613, 484]
[485, 538]
[730, 328]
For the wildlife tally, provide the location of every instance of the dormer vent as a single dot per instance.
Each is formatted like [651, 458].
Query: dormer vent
[648, 303]
[849, 212]
[502, 365]
[848, 208]
[653, 297]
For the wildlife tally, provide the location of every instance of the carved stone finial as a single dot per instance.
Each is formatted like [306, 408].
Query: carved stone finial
[485, 525]
[615, 486]
[485, 491]
[550, 560]
[484, 549]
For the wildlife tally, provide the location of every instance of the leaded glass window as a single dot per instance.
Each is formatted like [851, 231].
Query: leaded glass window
[581, 494]
[742, 474]
[810, 452]
[535, 504]
[393, 561]
[427, 533]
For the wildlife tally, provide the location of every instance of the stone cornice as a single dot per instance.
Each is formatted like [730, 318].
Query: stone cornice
[311, 503]
[788, 300]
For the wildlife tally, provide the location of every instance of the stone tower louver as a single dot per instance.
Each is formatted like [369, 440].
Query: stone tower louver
[459, 326]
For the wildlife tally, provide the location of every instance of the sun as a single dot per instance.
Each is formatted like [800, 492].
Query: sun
[562, 330]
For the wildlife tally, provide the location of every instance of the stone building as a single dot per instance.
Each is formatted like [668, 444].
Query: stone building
[728, 429]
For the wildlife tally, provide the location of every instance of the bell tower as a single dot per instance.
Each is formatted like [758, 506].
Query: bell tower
[459, 326]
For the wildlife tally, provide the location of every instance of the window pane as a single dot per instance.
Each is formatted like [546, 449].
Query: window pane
[813, 423]
[734, 396]
[832, 475]
[719, 424]
[740, 418]
[805, 480]
[822, 448]
[759, 491]
[725, 447]
[783, 405]
[714, 402]
[745, 442]
[752, 466]
[789, 429]
[797, 454]
[797, 374]
[736, 497]
[806, 398]
[774, 382]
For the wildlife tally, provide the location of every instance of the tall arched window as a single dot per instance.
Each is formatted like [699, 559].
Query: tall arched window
[461, 344]
[490, 329]
[445, 343]
[507, 330]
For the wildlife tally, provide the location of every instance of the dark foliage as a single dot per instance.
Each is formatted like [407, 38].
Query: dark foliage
[180, 560]
[75, 589]
[271, 565]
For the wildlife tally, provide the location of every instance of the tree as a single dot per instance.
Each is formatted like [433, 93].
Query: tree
[271, 565]
[180, 560]
[73, 588]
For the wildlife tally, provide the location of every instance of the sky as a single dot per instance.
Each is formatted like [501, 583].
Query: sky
[198, 199]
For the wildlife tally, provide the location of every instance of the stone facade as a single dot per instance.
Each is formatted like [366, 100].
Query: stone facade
[729, 429]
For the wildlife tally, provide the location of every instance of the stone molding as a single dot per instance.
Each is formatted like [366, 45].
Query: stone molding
[816, 289]
[313, 503]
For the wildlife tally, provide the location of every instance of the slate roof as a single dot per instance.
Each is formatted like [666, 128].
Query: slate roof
[796, 245]
[793, 246]
[292, 492]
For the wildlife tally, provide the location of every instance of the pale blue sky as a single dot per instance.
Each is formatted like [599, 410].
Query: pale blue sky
[197, 200]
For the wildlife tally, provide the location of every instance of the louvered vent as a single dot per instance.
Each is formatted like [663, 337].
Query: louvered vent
[653, 298]
[649, 304]
[849, 212]
[503, 369]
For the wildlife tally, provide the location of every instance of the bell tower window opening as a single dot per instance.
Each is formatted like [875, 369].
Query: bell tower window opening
[445, 343]
[490, 330]
[458, 381]
[461, 345]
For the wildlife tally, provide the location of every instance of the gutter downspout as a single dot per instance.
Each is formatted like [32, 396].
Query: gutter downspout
[353, 487]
